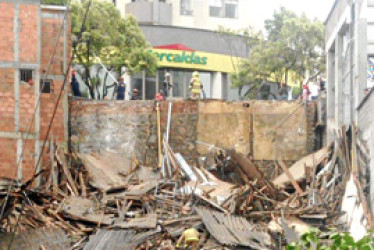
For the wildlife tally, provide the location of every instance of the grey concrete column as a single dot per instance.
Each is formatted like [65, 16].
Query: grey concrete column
[360, 78]
[16, 90]
[330, 88]
[216, 86]
[339, 105]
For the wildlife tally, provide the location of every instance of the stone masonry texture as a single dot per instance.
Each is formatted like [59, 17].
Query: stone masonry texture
[129, 128]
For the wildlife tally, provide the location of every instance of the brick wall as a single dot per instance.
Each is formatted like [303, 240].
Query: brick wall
[29, 49]
[28, 35]
[6, 100]
[6, 31]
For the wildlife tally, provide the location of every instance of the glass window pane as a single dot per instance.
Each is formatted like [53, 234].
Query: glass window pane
[215, 11]
[231, 10]
[186, 7]
[205, 81]
[137, 83]
[150, 87]
[177, 78]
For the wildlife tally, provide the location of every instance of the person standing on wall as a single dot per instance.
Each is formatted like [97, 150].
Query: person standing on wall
[167, 86]
[283, 92]
[121, 89]
[75, 84]
[135, 95]
[314, 91]
[195, 86]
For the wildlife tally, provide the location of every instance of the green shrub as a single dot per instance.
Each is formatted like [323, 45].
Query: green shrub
[54, 2]
[336, 241]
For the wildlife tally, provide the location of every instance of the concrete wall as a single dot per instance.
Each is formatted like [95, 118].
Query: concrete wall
[200, 17]
[150, 12]
[264, 129]
[196, 39]
[347, 51]
[29, 33]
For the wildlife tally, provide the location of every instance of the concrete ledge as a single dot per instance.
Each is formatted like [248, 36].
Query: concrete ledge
[18, 135]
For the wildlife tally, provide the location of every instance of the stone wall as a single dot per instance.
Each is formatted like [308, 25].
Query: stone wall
[265, 129]
[130, 127]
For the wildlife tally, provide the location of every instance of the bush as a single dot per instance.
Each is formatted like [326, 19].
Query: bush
[339, 240]
[54, 2]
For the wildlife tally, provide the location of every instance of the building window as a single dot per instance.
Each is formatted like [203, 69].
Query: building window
[223, 8]
[186, 7]
[25, 75]
[46, 87]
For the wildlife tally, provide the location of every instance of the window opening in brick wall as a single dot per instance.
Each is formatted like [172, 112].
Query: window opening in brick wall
[46, 87]
[25, 75]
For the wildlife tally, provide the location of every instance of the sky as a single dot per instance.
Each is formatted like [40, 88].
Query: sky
[312, 8]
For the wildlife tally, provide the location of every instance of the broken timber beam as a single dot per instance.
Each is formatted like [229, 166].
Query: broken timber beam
[251, 171]
[289, 175]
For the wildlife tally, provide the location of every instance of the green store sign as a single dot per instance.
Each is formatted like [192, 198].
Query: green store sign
[184, 57]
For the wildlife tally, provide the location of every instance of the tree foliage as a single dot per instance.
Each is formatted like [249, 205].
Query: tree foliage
[314, 239]
[292, 44]
[54, 2]
[109, 38]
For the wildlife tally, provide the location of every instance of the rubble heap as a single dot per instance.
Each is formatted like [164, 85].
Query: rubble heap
[105, 201]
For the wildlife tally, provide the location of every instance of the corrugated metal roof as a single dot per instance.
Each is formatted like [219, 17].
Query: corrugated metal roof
[233, 230]
[117, 239]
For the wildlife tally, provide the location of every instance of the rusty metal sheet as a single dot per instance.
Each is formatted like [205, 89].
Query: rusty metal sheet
[233, 230]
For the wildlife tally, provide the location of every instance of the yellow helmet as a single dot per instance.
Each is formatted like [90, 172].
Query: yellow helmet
[195, 73]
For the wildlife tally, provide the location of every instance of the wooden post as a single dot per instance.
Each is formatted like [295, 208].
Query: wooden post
[289, 175]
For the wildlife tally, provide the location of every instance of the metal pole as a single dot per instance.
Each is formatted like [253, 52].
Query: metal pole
[167, 138]
[159, 135]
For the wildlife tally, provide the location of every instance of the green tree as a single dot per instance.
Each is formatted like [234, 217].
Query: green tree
[292, 44]
[54, 2]
[110, 39]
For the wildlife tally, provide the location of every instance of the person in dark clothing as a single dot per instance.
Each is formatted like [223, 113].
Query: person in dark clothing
[322, 84]
[134, 95]
[75, 84]
[121, 89]
[166, 87]
[283, 91]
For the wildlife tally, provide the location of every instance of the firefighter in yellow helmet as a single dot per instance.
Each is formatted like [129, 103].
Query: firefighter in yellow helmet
[195, 86]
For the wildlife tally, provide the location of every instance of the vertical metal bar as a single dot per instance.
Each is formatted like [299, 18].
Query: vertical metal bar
[167, 138]
[143, 86]
[159, 135]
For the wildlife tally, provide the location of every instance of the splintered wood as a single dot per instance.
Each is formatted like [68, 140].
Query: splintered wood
[231, 204]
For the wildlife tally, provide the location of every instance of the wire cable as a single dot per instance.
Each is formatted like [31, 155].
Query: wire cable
[19, 160]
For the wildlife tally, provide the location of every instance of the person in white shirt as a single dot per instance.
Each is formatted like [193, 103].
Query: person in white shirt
[314, 90]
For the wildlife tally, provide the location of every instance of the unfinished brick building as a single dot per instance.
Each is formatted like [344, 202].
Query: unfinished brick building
[29, 32]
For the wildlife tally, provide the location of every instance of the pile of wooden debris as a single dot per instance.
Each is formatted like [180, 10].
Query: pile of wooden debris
[106, 201]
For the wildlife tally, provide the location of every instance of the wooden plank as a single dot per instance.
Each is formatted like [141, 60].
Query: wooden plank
[298, 168]
[290, 177]
[252, 171]
[364, 202]
[61, 159]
